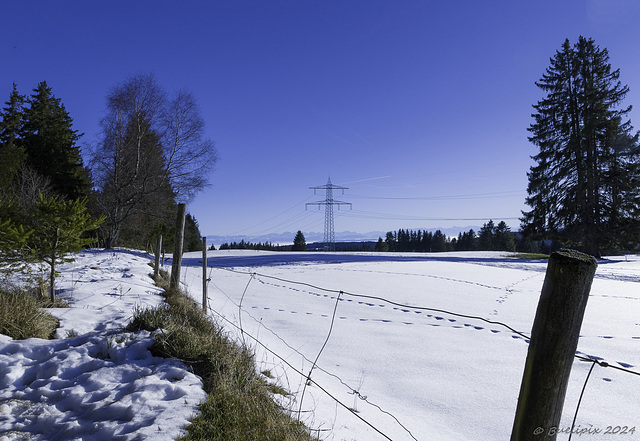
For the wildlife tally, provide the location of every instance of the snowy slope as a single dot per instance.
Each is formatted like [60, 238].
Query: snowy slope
[102, 384]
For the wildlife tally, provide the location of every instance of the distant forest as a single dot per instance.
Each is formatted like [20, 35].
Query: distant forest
[259, 246]
[490, 237]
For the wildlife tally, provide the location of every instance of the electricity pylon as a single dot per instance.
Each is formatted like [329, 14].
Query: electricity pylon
[329, 202]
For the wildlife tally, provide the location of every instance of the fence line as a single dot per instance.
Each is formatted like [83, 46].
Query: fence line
[575, 415]
[598, 360]
[313, 365]
[301, 374]
[593, 359]
[352, 390]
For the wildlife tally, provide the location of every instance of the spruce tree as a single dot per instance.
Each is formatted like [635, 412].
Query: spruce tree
[192, 235]
[51, 146]
[584, 189]
[299, 242]
[11, 148]
[59, 228]
[504, 238]
[390, 240]
[486, 236]
[439, 242]
[381, 246]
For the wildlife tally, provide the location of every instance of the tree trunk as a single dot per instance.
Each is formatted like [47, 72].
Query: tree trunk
[52, 278]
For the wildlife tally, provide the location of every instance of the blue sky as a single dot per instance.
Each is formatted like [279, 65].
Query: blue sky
[419, 107]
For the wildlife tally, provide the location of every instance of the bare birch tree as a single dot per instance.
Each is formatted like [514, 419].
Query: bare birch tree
[152, 152]
[189, 156]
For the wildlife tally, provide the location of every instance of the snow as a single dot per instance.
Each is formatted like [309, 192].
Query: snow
[410, 373]
[102, 384]
[425, 374]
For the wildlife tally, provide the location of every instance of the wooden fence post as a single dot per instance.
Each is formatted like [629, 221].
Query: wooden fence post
[177, 248]
[553, 344]
[204, 274]
[156, 268]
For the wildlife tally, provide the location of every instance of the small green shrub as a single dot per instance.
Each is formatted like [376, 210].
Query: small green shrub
[21, 315]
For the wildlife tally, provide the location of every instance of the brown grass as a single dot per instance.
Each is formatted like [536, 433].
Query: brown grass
[240, 404]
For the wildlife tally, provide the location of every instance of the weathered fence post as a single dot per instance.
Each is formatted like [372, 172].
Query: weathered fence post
[204, 274]
[553, 344]
[156, 268]
[177, 248]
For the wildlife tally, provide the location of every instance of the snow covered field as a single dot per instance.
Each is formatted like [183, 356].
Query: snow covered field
[408, 373]
[425, 375]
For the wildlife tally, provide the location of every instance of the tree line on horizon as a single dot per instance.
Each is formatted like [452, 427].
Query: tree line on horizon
[299, 244]
[490, 237]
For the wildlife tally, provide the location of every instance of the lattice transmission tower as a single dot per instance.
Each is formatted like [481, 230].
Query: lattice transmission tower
[329, 202]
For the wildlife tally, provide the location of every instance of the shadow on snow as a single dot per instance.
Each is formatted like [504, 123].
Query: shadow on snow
[276, 259]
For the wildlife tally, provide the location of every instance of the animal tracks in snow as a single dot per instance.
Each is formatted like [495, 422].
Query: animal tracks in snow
[410, 316]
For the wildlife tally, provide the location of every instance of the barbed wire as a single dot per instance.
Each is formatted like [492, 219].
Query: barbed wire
[313, 365]
[381, 299]
[575, 415]
[599, 360]
[352, 390]
[240, 308]
[594, 360]
[299, 372]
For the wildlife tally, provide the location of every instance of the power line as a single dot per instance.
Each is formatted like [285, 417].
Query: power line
[392, 216]
[497, 194]
[271, 218]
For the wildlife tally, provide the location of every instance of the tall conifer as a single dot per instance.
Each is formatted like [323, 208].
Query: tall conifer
[587, 162]
[11, 148]
[51, 146]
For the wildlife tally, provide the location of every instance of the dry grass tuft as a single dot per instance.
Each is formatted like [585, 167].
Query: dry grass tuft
[21, 314]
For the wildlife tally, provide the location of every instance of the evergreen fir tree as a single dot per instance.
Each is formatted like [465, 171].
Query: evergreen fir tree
[439, 242]
[299, 242]
[391, 241]
[50, 144]
[11, 148]
[504, 238]
[59, 228]
[192, 235]
[584, 189]
[427, 242]
[381, 246]
[136, 192]
[486, 237]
